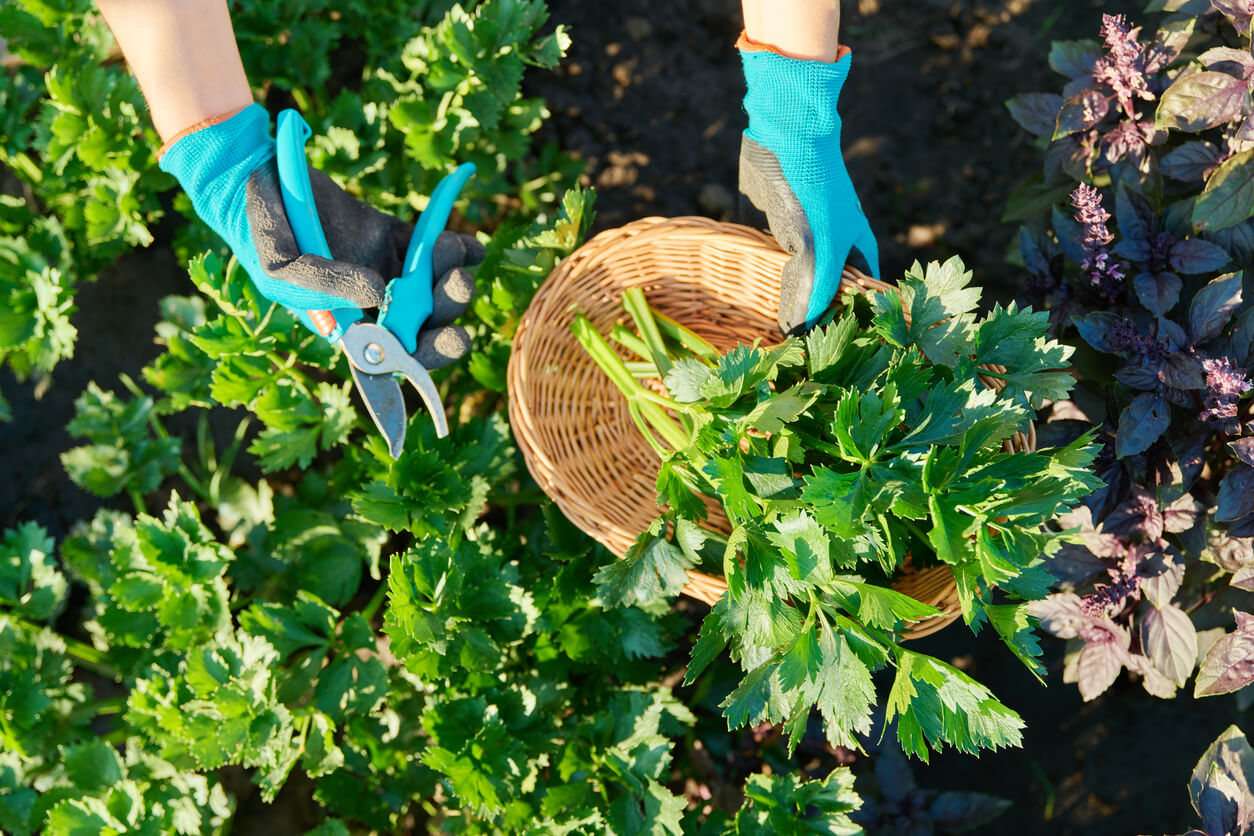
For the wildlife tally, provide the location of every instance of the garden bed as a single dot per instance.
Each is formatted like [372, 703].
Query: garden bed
[650, 99]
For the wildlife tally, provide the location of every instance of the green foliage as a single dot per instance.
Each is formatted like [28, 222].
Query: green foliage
[398, 94]
[31, 586]
[786, 804]
[36, 282]
[122, 453]
[877, 437]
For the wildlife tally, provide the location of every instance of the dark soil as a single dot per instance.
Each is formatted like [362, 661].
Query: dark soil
[650, 97]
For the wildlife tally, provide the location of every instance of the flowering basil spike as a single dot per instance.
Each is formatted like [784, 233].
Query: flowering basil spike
[792, 169]
[1103, 272]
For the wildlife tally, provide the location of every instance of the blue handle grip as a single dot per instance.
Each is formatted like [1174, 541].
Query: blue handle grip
[409, 300]
[302, 213]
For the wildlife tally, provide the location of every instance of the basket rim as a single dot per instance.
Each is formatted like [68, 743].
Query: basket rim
[548, 306]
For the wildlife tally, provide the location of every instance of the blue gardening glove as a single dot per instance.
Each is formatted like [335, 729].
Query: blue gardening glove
[228, 170]
[792, 169]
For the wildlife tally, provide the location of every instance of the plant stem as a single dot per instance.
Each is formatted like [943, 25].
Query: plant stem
[637, 306]
[689, 340]
[634, 344]
[914, 529]
[376, 601]
[820, 444]
[81, 652]
[137, 499]
[645, 404]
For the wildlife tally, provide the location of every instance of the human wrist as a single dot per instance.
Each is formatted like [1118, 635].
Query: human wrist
[808, 30]
[747, 44]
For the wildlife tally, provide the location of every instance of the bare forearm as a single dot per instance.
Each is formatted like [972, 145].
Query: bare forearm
[183, 52]
[807, 29]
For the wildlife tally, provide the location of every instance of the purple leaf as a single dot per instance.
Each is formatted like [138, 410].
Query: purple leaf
[1136, 221]
[1244, 449]
[1081, 112]
[1074, 59]
[1067, 156]
[1170, 641]
[1245, 133]
[1180, 371]
[1141, 424]
[1235, 62]
[1240, 345]
[892, 772]
[1229, 665]
[1158, 292]
[1075, 565]
[1036, 250]
[1152, 679]
[1138, 519]
[1188, 7]
[1095, 328]
[1229, 194]
[1239, 12]
[1161, 573]
[1140, 374]
[1232, 554]
[1182, 514]
[1237, 241]
[1178, 219]
[1163, 474]
[1229, 756]
[1036, 112]
[1193, 255]
[1192, 459]
[1133, 249]
[1191, 162]
[1243, 528]
[1170, 333]
[1076, 86]
[1219, 807]
[1244, 578]
[1213, 306]
[1236, 495]
[1061, 614]
[1070, 234]
[1098, 667]
[1169, 41]
[1200, 101]
[965, 810]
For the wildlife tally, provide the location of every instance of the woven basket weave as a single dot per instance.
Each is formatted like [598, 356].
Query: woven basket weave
[720, 280]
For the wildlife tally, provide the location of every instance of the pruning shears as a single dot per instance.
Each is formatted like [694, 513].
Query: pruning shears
[378, 352]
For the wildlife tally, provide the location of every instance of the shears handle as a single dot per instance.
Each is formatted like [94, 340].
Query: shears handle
[409, 297]
[298, 202]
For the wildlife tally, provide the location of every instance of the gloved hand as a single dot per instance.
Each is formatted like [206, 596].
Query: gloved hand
[228, 170]
[791, 168]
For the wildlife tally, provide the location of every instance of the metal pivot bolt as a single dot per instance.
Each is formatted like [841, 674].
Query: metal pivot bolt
[373, 353]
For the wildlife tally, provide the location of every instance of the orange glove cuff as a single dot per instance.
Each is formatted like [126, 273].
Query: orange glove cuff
[746, 44]
[165, 146]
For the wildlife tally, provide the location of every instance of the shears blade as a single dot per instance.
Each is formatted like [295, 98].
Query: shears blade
[374, 351]
[386, 405]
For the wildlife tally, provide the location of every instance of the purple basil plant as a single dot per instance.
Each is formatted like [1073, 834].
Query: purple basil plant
[1138, 238]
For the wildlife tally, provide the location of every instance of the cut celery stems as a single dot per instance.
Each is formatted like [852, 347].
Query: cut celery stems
[646, 407]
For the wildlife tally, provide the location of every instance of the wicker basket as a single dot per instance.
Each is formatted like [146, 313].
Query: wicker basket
[720, 280]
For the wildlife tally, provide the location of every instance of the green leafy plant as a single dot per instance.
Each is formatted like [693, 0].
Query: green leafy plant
[398, 93]
[836, 457]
